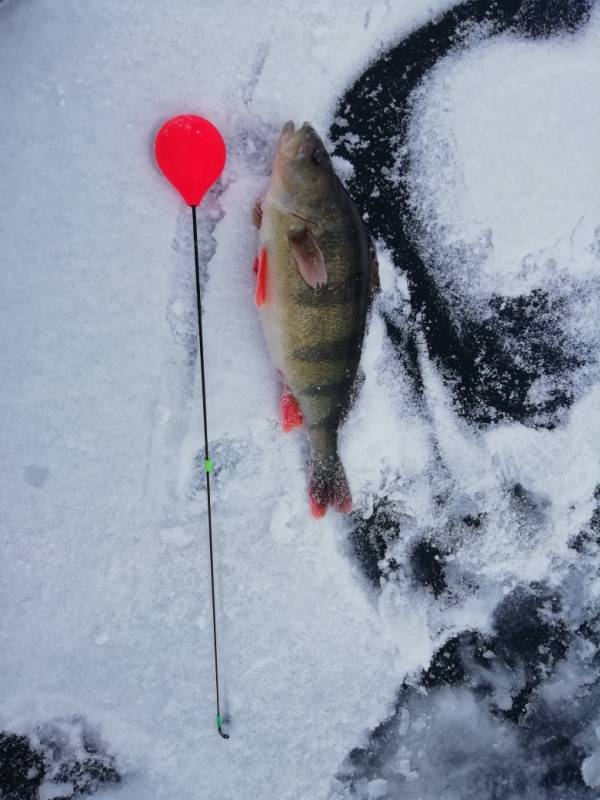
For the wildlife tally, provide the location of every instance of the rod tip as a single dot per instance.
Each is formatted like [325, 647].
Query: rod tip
[219, 728]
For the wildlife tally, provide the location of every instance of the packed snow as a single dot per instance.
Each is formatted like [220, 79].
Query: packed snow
[104, 580]
[503, 183]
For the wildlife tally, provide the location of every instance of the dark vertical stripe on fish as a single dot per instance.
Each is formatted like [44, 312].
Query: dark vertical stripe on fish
[337, 350]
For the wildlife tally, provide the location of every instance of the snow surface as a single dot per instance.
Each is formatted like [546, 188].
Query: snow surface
[104, 575]
[503, 182]
[104, 581]
[532, 221]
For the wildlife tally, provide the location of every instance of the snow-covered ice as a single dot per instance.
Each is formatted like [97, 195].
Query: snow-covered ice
[104, 583]
[100, 404]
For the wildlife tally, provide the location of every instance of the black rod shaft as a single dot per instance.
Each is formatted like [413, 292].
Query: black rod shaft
[207, 471]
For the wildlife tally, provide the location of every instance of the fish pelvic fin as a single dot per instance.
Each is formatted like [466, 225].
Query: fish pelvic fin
[260, 296]
[328, 486]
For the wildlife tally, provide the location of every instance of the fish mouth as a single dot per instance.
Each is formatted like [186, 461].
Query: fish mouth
[294, 143]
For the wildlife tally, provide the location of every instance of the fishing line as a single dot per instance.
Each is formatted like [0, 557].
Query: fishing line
[208, 465]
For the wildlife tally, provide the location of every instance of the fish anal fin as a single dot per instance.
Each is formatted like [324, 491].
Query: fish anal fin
[291, 415]
[261, 278]
[308, 257]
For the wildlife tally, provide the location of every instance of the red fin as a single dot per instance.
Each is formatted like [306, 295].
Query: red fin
[261, 278]
[255, 266]
[291, 416]
[317, 508]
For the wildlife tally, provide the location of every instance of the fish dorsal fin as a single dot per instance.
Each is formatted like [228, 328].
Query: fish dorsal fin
[374, 282]
[308, 256]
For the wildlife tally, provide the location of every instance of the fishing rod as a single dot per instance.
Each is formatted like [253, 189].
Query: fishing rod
[190, 152]
[208, 465]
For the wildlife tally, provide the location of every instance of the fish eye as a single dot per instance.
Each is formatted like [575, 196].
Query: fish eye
[317, 155]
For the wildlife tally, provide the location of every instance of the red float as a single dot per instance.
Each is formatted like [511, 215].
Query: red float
[190, 152]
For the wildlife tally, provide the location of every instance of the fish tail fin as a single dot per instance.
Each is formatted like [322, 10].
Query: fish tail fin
[328, 486]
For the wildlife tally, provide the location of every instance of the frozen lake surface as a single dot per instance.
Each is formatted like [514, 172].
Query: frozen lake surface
[441, 642]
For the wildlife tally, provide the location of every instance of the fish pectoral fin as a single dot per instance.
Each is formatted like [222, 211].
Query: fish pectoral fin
[260, 296]
[308, 257]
